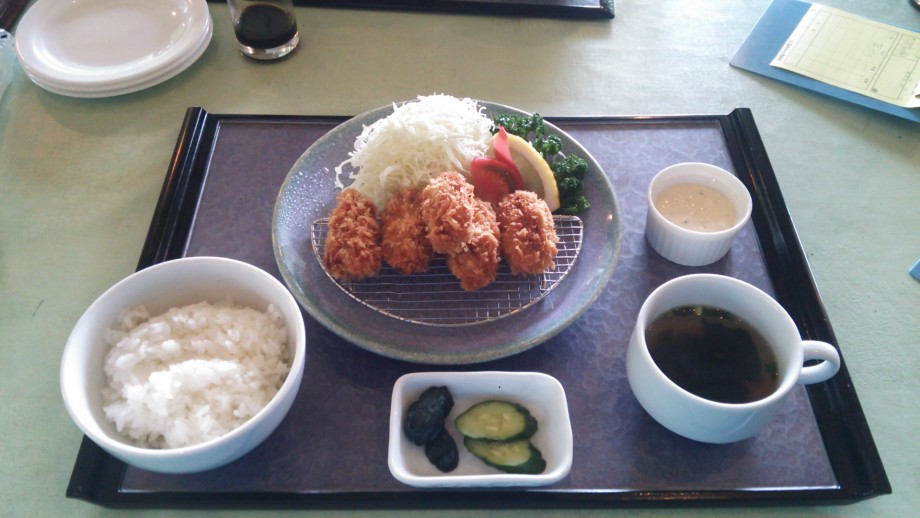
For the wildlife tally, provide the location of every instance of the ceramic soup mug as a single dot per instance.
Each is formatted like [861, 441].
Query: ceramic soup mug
[703, 374]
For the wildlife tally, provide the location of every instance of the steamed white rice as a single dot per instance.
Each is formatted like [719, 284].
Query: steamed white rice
[193, 373]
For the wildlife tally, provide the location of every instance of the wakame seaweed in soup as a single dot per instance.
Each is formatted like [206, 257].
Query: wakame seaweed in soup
[713, 354]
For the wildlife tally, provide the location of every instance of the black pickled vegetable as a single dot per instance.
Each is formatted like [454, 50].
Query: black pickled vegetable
[425, 417]
[442, 452]
[519, 457]
[496, 421]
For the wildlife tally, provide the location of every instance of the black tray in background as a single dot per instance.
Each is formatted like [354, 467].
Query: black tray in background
[217, 199]
[573, 9]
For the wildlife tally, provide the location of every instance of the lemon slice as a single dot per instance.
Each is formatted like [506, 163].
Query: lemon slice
[536, 173]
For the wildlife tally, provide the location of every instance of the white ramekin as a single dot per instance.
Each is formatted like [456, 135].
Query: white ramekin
[691, 247]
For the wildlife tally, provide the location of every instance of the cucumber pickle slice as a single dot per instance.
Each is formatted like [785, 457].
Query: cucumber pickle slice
[518, 457]
[496, 421]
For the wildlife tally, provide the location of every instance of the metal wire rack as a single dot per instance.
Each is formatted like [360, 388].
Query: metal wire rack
[435, 296]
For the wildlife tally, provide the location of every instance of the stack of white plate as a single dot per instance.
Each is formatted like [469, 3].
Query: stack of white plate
[102, 48]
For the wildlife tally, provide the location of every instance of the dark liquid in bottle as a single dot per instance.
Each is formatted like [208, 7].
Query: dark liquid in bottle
[713, 354]
[265, 26]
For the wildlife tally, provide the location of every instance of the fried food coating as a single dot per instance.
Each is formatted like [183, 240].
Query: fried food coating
[404, 242]
[476, 264]
[447, 210]
[528, 234]
[352, 250]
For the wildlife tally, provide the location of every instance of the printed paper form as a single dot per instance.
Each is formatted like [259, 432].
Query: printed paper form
[867, 57]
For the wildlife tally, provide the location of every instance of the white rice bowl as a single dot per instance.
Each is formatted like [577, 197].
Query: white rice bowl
[221, 404]
[194, 373]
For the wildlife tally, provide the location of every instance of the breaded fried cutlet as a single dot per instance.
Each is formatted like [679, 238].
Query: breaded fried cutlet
[404, 242]
[528, 234]
[352, 248]
[476, 265]
[447, 210]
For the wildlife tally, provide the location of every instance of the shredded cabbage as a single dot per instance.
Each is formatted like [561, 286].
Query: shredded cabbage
[417, 142]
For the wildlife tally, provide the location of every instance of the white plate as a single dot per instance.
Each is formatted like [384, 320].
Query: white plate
[90, 91]
[165, 71]
[540, 393]
[110, 45]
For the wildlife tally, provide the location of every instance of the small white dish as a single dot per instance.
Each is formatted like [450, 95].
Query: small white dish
[693, 247]
[540, 393]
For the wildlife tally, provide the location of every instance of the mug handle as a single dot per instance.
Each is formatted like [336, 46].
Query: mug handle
[815, 350]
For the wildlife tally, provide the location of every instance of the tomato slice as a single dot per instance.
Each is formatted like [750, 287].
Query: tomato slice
[490, 178]
[503, 154]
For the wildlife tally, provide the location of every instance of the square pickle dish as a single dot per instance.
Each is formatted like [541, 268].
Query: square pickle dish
[541, 394]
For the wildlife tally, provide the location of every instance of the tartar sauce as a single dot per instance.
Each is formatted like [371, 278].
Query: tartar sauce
[696, 207]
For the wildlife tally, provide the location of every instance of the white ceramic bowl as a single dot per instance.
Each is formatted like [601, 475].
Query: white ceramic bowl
[541, 394]
[691, 247]
[177, 283]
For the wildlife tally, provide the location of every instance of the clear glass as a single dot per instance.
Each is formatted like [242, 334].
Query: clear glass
[264, 29]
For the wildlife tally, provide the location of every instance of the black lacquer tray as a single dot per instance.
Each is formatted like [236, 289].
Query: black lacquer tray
[571, 9]
[331, 450]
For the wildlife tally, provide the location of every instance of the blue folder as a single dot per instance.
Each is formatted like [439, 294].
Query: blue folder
[771, 32]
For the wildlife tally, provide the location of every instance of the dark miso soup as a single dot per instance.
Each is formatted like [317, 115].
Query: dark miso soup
[713, 354]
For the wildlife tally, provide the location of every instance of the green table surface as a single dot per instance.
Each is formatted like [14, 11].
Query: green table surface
[79, 180]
